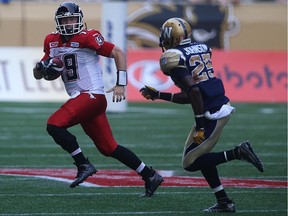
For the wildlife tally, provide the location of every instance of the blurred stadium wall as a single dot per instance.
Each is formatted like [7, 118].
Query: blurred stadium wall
[259, 26]
[249, 42]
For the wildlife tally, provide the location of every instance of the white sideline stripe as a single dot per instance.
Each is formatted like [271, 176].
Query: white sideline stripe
[85, 184]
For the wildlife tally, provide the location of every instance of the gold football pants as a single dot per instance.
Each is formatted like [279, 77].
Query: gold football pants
[211, 139]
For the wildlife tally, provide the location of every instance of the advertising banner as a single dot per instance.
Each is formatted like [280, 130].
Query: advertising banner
[17, 82]
[248, 76]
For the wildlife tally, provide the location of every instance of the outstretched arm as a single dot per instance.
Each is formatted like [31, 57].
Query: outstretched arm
[120, 62]
[151, 93]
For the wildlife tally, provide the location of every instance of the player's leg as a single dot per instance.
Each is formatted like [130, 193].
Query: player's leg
[207, 165]
[99, 130]
[68, 115]
[223, 204]
[213, 130]
[152, 179]
[197, 157]
[207, 162]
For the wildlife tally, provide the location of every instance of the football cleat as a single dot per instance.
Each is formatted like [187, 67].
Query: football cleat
[246, 153]
[151, 184]
[84, 171]
[222, 207]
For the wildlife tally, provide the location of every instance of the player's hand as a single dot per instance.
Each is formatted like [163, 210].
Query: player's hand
[149, 93]
[199, 136]
[44, 65]
[118, 93]
[50, 69]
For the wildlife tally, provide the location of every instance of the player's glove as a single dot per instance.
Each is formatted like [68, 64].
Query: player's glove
[149, 93]
[199, 136]
[48, 68]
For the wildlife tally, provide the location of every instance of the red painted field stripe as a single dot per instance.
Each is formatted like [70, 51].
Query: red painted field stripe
[130, 178]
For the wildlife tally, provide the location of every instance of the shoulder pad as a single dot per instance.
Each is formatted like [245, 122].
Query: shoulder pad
[169, 60]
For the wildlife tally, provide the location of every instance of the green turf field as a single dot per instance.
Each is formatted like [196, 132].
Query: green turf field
[154, 131]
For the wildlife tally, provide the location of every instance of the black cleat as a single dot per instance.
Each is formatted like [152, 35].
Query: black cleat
[222, 207]
[84, 171]
[246, 153]
[152, 183]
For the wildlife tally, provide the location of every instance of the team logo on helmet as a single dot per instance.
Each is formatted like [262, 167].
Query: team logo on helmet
[167, 32]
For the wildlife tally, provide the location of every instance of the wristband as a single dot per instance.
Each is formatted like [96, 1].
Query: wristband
[121, 78]
[165, 96]
[172, 96]
[199, 121]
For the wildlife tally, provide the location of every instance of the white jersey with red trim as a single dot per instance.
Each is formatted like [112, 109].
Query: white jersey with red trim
[80, 55]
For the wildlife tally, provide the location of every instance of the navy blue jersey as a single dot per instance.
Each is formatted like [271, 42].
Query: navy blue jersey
[196, 58]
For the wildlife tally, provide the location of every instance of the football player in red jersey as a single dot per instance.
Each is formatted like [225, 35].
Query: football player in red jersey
[80, 49]
[189, 66]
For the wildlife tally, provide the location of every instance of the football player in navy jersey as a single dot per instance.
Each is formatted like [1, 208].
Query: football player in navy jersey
[189, 66]
[80, 50]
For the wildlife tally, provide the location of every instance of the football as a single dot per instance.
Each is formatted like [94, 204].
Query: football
[57, 62]
[54, 70]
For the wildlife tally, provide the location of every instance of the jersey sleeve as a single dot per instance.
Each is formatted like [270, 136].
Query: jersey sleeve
[106, 49]
[97, 42]
[170, 60]
[46, 48]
